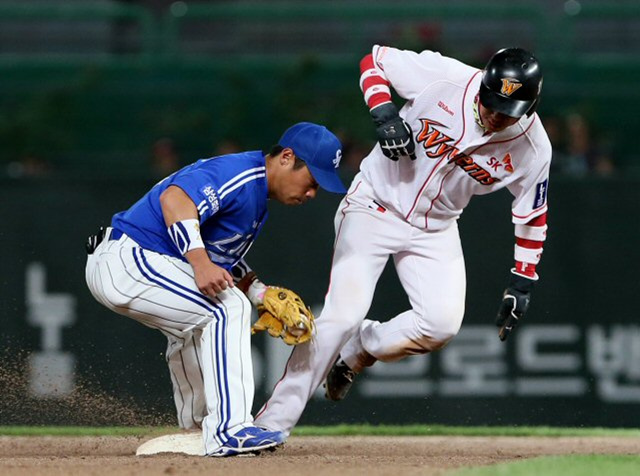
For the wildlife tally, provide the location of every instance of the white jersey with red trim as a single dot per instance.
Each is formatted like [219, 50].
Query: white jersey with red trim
[407, 209]
[456, 159]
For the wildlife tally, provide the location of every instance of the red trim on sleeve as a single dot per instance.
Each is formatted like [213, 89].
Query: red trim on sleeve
[378, 99]
[522, 217]
[539, 220]
[366, 63]
[526, 269]
[372, 81]
[529, 269]
[529, 244]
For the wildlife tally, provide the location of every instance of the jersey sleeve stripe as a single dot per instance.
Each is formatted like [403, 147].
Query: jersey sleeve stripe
[239, 177]
[241, 183]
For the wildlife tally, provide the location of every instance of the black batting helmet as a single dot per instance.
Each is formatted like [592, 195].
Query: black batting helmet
[511, 82]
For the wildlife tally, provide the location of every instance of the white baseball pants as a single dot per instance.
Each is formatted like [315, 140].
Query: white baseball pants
[431, 270]
[209, 348]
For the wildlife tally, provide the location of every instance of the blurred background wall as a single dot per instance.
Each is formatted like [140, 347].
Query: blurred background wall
[100, 99]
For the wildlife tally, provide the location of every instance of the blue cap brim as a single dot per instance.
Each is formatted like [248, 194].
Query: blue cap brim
[329, 181]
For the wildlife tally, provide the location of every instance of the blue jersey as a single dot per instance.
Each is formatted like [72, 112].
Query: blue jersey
[230, 193]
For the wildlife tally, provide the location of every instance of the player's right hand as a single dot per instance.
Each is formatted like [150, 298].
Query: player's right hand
[515, 302]
[394, 134]
[212, 279]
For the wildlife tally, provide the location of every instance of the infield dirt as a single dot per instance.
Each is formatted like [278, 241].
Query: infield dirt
[338, 455]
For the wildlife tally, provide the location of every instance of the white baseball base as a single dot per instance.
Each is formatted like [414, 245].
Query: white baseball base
[185, 443]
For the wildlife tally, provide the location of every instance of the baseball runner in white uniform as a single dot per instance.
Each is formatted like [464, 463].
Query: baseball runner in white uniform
[171, 261]
[461, 132]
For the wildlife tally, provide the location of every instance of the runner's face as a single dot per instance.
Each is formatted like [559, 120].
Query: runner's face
[495, 121]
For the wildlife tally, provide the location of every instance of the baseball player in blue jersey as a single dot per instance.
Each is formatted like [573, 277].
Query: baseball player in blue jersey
[172, 261]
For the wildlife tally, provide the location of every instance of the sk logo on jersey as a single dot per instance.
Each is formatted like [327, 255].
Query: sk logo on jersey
[510, 86]
[508, 165]
[437, 145]
[495, 164]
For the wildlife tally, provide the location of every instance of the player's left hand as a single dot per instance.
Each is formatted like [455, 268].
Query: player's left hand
[283, 314]
[515, 302]
[394, 134]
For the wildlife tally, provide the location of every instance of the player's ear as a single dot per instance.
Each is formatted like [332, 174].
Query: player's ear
[287, 157]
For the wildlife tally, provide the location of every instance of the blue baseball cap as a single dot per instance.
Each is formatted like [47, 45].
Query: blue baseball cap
[320, 150]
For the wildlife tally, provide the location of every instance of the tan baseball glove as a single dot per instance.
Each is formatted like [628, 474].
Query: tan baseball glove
[283, 314]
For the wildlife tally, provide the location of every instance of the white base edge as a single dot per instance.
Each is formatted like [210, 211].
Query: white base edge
[182, 443]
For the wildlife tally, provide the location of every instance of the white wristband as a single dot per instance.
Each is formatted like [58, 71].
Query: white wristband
[527, 255]
[256, 291]
[185, 234]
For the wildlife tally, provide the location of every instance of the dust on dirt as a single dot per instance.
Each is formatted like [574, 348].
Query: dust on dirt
[344, 456]
[371, 456]
[86, 405]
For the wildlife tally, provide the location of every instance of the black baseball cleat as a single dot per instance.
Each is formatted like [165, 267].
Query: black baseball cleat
[339, 381]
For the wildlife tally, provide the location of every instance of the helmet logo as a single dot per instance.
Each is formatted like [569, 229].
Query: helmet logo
[510, 85]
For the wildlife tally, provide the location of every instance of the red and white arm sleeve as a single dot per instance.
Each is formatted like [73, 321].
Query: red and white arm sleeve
[373, 83]
[528, 249]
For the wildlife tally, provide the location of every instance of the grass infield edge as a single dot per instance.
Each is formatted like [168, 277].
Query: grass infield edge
[341, 430]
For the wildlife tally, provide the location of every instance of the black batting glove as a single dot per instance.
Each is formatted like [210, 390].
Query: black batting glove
[394, 134]
[515, 303]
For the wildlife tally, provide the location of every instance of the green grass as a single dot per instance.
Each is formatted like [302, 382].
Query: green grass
[571, 465]
[442, 430]
[339, 430]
